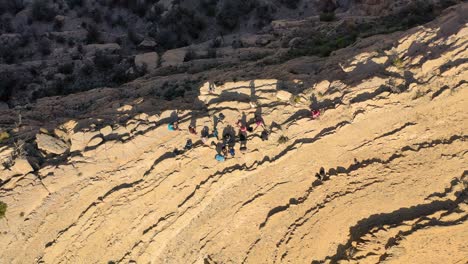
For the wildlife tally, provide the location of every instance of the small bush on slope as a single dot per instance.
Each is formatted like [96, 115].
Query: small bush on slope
[3, 208]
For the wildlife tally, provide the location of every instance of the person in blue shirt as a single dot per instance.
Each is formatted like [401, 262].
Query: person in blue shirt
[173, 126]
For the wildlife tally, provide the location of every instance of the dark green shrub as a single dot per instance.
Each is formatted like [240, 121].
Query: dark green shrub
[66, 68]
[93, 35]
[42, 10]
[211, 53]
[60, 39]
[5, 25]
[177, 28]
[87, 69]
[190, 55]
[327, 16]
[58, 24]
[264, 13]
[216, 43]
[72, 3]
[398, 62]
[96, 15]
[154, 14]
[45, 46]
[291, 4]
[103, 60]
[3, 209]
[234, 10]
[283, 139]
[209, 7]
[11, 6]
[133, 36]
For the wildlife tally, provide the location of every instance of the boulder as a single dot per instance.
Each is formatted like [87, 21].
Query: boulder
[59, 19]
[94, 142]
[80, 140]
[91, 49]
[50, 144]
[22, 166]
[147, 44]
[105, 131]
[283, 95]
[263, 40]
[322, 86]
[150, 59]
[173, 57]
[294, 42]
[61, 134]
[69, 126]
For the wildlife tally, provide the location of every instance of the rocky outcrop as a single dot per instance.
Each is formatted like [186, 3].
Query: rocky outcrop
[283, 95]
[147, 44]
[147, 60]
[173, 57]
[91, 49]
[22, 166]
[379, 176]
[50, 144]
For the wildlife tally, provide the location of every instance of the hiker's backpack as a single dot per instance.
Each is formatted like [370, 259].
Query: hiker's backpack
[219, 157]
[188, 145]
[232, 152]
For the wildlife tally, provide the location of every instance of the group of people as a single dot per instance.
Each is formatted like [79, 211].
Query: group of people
[226, 142]
[225, 145]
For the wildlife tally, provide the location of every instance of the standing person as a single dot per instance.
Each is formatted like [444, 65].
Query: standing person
[315, 113]
[214, 133]
[241, 126]
[226, 139]
[264, 135]
[243, 141]
[321, 175]
[192, 130]
[259, 122]
[211, 88]
[205, 134]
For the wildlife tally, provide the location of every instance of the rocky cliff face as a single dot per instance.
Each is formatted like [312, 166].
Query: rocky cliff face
[93, 177]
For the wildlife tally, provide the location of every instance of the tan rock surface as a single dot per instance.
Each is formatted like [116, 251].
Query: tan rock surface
[148, 60]
[392, 142]
[50, 144]
[22, 166]
[173, 57]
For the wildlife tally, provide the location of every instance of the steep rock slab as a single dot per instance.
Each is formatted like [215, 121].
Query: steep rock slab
[50, 144]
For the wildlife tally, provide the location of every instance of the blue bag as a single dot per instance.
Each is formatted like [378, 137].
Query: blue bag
[219, 157]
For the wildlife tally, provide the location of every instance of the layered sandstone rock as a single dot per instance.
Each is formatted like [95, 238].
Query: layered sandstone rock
[389, 147]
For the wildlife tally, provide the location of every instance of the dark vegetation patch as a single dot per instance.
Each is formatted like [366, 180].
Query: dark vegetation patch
[43, 35]
[322, 45]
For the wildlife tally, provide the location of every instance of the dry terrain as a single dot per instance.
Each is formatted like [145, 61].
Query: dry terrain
[92, 176]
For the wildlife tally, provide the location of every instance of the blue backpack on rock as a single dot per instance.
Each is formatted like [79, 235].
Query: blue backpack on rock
[219, 157]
